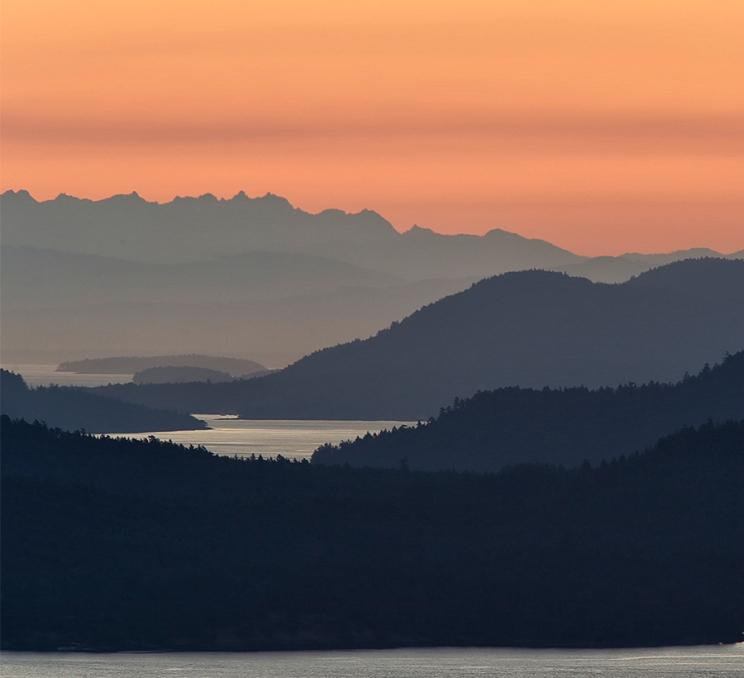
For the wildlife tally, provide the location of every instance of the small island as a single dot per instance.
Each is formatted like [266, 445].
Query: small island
[234, 367]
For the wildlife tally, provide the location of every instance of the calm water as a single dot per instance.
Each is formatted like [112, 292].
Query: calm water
[296, 439]
[292, 438]
[688, 662]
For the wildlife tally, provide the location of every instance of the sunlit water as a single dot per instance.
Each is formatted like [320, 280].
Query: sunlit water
[292, 438]
[687, 662]
[295, 438]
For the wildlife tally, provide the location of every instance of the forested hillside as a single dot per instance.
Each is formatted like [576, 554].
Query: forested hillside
[551, 426]
[112, 544]
[72, 408]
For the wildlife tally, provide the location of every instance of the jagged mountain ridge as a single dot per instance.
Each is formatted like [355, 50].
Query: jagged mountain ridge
[192, 229]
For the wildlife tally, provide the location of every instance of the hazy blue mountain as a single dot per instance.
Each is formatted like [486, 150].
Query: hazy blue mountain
[78, 408]
[123, 275]
[206, 228]
[236, 367]
[532, 329]
[514, 425]
[47, 278]
[625, 266]
[192, 229]
[275, 307]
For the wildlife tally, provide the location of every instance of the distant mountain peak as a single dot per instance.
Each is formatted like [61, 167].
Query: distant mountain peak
[73, 201]
[131, 198]
[418, 230]
[366, 212]
[188, 199]
[21, 194]
[366, 218]
[503, 234]
[372, 219]
[275, 200]
[498, 232]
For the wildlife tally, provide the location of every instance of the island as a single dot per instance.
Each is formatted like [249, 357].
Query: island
[235, 367]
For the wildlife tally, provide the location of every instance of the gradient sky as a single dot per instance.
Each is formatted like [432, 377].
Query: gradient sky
[601, 125]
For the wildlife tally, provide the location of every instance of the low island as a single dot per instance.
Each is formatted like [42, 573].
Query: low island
[235, 367]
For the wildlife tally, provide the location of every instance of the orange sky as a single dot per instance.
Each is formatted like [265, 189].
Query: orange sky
[601, 125]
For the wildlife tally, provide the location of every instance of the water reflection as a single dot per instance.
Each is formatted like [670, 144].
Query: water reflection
[292, 438]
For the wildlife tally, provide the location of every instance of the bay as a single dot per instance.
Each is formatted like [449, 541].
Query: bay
[227, 435]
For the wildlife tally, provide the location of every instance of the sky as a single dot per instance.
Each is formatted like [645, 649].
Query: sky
[603, 126]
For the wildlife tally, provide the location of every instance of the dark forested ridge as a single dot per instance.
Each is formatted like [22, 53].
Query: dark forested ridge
[532, 329]
[78, 408]
[112, 544]
[552, 426]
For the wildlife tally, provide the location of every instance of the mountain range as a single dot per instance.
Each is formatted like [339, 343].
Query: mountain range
[530, 328]
[124, 276]
[194, 229]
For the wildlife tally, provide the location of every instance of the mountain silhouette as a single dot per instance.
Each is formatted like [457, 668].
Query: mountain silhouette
[513, 426]
[205, 228]
[192, 229]
[78, 408]
[532, 329]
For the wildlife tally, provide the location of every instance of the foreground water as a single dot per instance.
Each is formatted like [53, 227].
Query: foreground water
[292, 438]
[687, 662]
